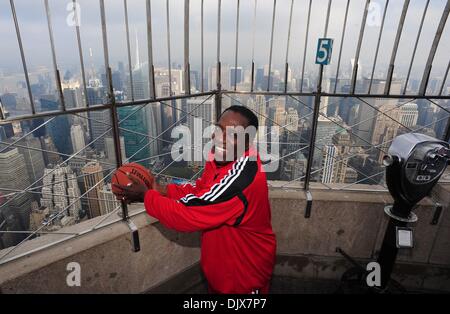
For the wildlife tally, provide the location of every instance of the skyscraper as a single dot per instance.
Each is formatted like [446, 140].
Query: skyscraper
[409, 114]
[14, 175]
[93, 181]
[34, 158]
[329, 153]
[235, 73]
[99, 122]
[77, 136]
[136, 145]
[61, 193]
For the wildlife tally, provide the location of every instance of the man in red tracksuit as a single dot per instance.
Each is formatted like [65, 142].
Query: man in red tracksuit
[229, 204]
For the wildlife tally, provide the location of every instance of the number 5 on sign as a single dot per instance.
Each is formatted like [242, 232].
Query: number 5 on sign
[324, 49]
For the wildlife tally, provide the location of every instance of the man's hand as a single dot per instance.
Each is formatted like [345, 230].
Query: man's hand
[132, 192]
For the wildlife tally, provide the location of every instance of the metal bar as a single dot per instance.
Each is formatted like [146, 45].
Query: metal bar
[387, 87]
[127, 30]
[444, 79]
[313, 130]
[253, 48]
[101, 107]
[218, 97]
[271, 44]
[41, 232]
[202, 68]
[117, 148]
[80, 51]
[237, 44]
[151, 69]
[168, 46]
[22, 55]
[327, 20]
[434, 46]
[187, 81]
[55, 64]
[419, 33]
[358, 49]
[325, 94]
[219, 8]
[447, 132]
[105, 48]
[344, 28]
[287, 47]
[306, 45]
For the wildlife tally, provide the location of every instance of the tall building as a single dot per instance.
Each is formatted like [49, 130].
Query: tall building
[385, 128]
[60, 193]
[329, 153]
[99, 123]
[136, 145]
[49, 146]
[93, 182]
[335, 167]
[34, 158]
[224, 77]
[77, 136]
[326, 128]
[108, 201]
[409, 114]
[111, 150]
[236, 73]
[294, 168]
[367, 117]
[342, 172]
[292, 120]
[259, 106]
[14, 175]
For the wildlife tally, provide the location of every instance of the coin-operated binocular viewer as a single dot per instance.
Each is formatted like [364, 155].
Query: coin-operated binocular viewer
[414, 164]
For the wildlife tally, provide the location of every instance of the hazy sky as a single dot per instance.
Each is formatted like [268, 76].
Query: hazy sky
[33, 26]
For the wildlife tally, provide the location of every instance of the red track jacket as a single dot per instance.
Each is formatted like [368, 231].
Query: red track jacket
[230, 206]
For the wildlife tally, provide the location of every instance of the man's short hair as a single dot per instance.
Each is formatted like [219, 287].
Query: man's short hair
[252, 119]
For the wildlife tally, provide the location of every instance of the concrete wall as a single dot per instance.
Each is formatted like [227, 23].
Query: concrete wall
[168, 261]
[355, 222]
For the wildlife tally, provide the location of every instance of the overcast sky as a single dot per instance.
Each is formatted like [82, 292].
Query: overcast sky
[33, 26]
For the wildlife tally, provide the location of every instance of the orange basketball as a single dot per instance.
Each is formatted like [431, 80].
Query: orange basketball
[134, 170]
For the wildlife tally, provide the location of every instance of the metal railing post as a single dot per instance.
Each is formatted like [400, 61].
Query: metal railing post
[312, 139]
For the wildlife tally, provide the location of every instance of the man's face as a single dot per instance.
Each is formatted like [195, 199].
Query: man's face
[225, 138]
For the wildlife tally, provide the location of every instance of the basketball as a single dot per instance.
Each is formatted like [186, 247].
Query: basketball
[134, 170]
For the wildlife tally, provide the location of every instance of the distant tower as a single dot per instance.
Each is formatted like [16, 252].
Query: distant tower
[138, 61]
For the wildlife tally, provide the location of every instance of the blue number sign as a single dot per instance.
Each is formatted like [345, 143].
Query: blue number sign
[324, 49]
